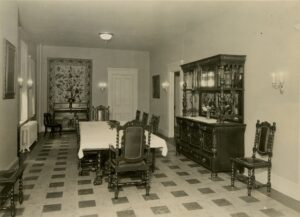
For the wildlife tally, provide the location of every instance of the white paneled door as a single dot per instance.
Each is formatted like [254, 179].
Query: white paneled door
[122, 93]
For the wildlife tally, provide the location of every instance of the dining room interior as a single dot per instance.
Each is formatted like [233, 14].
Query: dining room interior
[149, 108]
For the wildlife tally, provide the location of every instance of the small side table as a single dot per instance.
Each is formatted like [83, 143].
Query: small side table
[8, 179]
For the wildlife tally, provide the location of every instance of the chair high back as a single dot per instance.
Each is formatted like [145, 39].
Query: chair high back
[263, 146]
[133, 142]
[154, 122]
[47, 119]
[102, 113]
[137, 115]
[264, 139]
[145, 118]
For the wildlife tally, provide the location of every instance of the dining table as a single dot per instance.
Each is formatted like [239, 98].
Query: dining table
[97, 136]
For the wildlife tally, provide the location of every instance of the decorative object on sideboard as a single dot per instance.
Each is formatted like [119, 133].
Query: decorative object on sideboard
[278, 81]
[102, 86]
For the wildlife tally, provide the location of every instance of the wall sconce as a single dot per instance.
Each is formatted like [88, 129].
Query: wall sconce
[29, 83]
[181, 84]
[165, 85]
[102, 86]
[278, 81]
[20, 82]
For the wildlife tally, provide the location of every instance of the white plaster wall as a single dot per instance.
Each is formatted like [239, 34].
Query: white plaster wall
[266, 34]
[102, 59]
[8, 107]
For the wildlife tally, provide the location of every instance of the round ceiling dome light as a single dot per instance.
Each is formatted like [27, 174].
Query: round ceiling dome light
[105, 36]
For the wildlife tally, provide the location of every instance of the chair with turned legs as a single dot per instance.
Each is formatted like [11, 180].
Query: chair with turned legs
[263, 146]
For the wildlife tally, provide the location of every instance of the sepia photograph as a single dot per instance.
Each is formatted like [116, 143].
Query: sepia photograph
[150, 108]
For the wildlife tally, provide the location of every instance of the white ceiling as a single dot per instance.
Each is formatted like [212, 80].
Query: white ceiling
[137, 25]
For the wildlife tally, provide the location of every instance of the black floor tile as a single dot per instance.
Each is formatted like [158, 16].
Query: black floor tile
[192, 206]
[174, 167]
[54, 195]
[56, 184]
[168, 183]
[85, 191]
[59, 169]
[158, 210]
[203, 171]
[248, 199]
[239, 214]
[160, 175]
[193, 181]
[222, 202]
[86, 203]
[52, 207]
[179, 193]
[206, 190]
[38, 164]
[120, 200]
[57, 176]
[126, 213]
[28, 186]
[93, 215]
[61, 163]
[84, 182]
[152, 196]
[182, 173]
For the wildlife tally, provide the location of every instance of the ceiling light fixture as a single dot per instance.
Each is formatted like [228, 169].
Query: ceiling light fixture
[105, 36]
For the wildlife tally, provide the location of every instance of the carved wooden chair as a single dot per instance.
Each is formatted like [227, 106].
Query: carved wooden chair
[102, 113]
[49, 122]
[8, 179]
[154, 122]
[137, 115]
[133, 156]
[145, 118]
[263, 146]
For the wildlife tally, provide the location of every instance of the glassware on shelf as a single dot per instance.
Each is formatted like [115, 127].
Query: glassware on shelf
[204, 79]
[211, 79]
[227, 76]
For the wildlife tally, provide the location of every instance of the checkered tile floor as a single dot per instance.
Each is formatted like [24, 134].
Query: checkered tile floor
[179, 187]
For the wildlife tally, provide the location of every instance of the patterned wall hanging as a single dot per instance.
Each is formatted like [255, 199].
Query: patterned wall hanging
[69, 81]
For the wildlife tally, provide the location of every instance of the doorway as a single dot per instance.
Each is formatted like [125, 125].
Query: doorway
[177, 102]
[122, 93]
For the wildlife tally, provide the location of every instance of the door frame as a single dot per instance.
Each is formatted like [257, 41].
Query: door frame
[129, 71]
[172, 69]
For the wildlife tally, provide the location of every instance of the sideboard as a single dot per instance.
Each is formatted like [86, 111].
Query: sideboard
[209, 143]
[66, 114]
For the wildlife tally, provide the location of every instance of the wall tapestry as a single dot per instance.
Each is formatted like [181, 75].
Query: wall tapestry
[69, 81]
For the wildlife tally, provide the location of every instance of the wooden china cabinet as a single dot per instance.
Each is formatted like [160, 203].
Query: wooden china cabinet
[211, 130]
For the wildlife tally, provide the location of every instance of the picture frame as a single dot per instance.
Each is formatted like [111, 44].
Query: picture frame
[156, 86]
[9, 70]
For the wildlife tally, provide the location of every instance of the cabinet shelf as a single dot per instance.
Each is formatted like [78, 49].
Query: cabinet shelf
[213, 84]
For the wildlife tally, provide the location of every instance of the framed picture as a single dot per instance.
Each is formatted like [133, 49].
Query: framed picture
[9, 70]
[155, 86]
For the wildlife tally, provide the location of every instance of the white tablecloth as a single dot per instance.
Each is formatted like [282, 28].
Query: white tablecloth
[97, 135]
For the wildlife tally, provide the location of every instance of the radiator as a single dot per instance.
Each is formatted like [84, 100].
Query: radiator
[28, 135]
